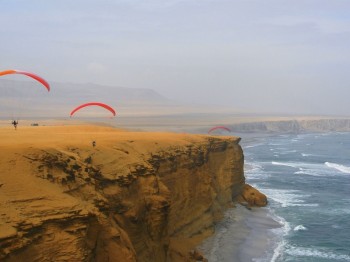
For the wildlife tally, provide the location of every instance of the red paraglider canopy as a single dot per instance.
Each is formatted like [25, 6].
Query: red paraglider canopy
[219, 127]
[93, 104]
[34, 76]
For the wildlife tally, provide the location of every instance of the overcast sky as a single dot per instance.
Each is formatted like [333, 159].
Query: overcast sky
[258, 55]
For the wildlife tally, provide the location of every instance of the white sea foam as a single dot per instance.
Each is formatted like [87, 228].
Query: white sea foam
[252, 167]
[311, 169]
[310, 172]
[288, 164]
[239, 231]
[299, 228]
[276, 144]
[256, 176]
[310, 252]
[341, 168]
[278, 252]
[251, 146]
[306, 155]
[294, 165]
[254, 170]
[284, 151]
[288, 198]
[279, 248]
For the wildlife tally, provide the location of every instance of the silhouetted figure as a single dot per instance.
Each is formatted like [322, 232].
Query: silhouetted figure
[15, 123]
[93, 143]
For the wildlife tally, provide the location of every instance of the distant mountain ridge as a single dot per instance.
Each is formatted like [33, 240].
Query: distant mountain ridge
[65, 96]
[120, 95]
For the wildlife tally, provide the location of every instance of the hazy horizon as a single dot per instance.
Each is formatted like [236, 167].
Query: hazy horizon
[255, 56]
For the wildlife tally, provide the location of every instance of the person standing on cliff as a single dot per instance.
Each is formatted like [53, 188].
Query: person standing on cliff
[15, 123]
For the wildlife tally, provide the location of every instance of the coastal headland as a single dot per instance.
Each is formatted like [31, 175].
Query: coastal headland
[134, 196]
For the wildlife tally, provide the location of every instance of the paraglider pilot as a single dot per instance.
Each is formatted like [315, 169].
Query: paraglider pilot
[15, 123]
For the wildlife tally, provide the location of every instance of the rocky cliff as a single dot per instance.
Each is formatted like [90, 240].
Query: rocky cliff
[133, 197]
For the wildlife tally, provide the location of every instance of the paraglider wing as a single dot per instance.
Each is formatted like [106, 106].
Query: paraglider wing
[34, 76]
[219, 127]
[93, 104]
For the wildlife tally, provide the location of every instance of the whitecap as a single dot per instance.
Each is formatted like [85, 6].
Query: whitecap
[305, 155]
[312, 169]
[288, 198]
[310, 252]
[252, 167]
[309, 172]
[341, 168]
[304, 205]
[299, 228]
[251, 146]
[294, 165]
[286, 152]
[276, 144]
[256, 176]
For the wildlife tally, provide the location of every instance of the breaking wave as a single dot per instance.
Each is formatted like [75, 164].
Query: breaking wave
[300, 228]
[310, 252]
[341, 168]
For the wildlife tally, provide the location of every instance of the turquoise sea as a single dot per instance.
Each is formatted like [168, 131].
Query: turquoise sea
[307, 180]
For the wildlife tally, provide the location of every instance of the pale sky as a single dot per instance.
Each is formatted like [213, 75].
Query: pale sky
[275, 56]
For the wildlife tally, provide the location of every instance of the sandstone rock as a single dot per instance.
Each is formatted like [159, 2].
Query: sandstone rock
[252, 197]
[195, 255]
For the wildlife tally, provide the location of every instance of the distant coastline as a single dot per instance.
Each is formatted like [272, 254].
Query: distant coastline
[294, 126]
[200, 124]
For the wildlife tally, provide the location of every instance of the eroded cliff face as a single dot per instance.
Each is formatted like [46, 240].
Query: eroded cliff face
[126, 200]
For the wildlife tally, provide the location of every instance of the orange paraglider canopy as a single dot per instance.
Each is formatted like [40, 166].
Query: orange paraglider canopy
[93, 104]
[34, 76]
[219, 127]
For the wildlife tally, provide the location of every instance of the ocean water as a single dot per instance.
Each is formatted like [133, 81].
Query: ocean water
[307, 180]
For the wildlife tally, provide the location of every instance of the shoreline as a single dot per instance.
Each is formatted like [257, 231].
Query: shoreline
[243, 235]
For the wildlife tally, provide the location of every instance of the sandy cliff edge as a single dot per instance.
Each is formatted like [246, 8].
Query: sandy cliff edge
[136, 196]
